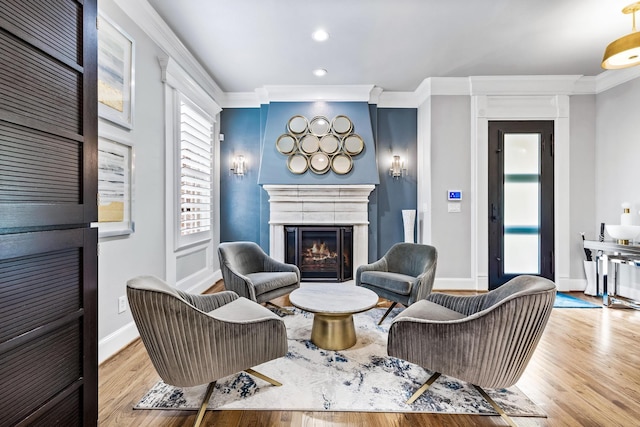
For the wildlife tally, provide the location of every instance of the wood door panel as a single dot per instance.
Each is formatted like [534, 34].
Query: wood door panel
[48, 192]
[54, 94]
[36, 371]
[54, 29]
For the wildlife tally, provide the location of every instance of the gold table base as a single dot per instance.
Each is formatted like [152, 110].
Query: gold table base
[333, 331]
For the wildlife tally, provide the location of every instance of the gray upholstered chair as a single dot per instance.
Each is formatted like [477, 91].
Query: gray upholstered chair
[486, 340]
[403, 275]
[198, 339]
[253, 274]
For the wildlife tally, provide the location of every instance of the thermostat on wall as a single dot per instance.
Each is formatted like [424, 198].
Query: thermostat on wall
[454, 195]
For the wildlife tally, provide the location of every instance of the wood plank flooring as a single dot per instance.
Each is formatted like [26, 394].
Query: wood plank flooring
[585, 372]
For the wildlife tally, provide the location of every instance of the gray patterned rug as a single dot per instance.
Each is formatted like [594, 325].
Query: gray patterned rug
[361, 379]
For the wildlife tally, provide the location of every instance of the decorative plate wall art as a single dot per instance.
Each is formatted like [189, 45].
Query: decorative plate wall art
[320, 145]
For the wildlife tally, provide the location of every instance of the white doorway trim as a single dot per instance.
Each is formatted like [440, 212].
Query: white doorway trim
[539, 107]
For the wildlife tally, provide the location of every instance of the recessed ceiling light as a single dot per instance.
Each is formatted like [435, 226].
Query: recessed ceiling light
[320, 72]
[320, 35]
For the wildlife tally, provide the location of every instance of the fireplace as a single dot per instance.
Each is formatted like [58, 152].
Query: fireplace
[321, 253]
[320, 205]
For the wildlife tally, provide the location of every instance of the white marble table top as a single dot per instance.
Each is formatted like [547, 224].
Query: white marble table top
[333, 298]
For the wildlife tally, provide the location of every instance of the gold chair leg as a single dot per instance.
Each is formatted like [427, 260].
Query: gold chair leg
[498, 409]
[263, 377]
[387, 313]
[284, 310]
[424, 388]
[204, 404]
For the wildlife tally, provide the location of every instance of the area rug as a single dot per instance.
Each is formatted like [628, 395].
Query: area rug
[361, 379]
[569, 301]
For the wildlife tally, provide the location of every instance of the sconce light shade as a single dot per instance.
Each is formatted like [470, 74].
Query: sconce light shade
[239, 166]
[397, 167]
[625, 51]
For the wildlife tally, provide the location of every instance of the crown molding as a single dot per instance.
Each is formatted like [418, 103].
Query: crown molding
[175, 76]
[295, 93]
[146, 17]
[397, 100]
[302, 93]
[612, 78]
[523, 85]
[241, 100]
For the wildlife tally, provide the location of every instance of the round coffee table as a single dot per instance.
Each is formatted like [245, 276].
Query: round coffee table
[333, 306]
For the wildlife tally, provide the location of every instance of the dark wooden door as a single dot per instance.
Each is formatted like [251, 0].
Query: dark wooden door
[48, 187]
[521, 198]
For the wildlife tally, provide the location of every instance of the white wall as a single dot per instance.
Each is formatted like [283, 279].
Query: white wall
[617, 164]
[451, 170]
[617, 155]
[143, 251]
[147, 251]
[582, 178]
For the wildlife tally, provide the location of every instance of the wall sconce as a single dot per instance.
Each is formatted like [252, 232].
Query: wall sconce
[239, 165]
[397, 167]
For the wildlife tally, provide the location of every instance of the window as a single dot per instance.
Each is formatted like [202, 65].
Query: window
[196, 162]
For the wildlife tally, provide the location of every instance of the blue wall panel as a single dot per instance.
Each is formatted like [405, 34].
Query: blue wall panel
[240, 196]
[251, 131]
[397, 134]
[274, 164]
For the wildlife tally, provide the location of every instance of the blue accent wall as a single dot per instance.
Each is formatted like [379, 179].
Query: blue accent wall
[244, 212]
[240, 207]
[274, 169]
[397, 133]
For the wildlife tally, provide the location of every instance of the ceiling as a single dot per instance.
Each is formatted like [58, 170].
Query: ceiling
[247, 44]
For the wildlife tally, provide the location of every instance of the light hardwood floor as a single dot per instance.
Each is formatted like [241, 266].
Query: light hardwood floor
[585, 372]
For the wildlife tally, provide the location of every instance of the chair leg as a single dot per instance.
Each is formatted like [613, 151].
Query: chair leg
[282, 309]
[498, 409]
[424, 388]
[204, 404]
[263, 377]
[387, 313]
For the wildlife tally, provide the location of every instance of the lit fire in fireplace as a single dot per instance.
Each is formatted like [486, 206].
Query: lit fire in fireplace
[319, 252]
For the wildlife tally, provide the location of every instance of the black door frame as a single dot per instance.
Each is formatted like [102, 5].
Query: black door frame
[497, 129]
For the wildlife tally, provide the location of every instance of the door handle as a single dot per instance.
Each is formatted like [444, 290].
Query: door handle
[494, 212]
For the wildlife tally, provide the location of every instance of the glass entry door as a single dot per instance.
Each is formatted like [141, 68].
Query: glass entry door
[520, 200]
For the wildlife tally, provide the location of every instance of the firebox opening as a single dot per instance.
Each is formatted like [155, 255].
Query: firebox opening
[321, 253]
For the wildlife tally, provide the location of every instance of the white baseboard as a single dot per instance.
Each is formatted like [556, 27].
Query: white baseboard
[467, 284]
[202, 284]
[454, 284]
[115, 342]
[569, 285]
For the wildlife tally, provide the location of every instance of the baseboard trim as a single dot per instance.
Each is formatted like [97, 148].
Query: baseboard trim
[455, 284]
[203, 283]
[112, 344]
[570, 285]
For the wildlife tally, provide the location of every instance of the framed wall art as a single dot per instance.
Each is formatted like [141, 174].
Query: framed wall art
[115, 187]
[115, 73]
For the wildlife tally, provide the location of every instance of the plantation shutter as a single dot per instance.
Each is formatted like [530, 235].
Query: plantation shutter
[196, 160]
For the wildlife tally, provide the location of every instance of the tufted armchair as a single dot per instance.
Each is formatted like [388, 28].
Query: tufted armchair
[486, 340]
[198, 339]
[403, 275]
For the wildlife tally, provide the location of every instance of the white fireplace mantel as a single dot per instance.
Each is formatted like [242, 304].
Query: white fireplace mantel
[319, 205]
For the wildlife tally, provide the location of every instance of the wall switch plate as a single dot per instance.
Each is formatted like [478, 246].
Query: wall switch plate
[122, 304]
[453, 207]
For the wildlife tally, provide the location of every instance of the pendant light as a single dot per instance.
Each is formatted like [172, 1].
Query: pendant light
[625, 51]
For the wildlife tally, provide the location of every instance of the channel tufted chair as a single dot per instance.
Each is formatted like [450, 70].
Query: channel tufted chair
[403, 275]
[486, 340]
[198, 339]
[251, 273]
